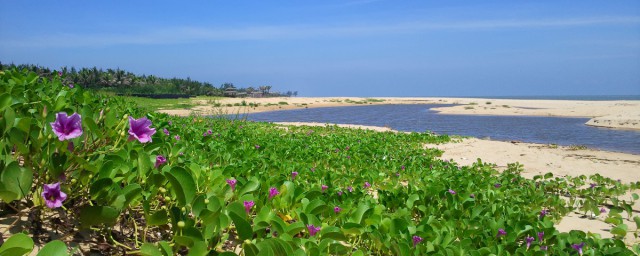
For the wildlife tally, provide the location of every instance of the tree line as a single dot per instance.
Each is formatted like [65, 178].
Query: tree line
[123, 82]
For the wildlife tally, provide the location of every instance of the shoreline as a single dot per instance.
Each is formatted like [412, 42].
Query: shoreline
[617, 114]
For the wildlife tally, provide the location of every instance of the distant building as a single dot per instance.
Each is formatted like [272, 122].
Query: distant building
[230, 92]
[256, 94]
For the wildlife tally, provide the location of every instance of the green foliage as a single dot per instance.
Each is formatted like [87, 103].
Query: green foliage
[186, 205]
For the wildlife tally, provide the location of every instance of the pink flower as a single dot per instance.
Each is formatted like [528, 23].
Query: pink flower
[177, 137]
[529, 239]
[501, 232]
[160, 160]
[337, 209]
[293, 175]
[273, 192]
[232, 184]
[53, 197]
[248, 205]
[71, 86]
[324, 187]
[313, 230]
[140, 130]
[453, 192]
[257, 146]
[367, 184]
[67, 127]
[416, 240]
[166, 132]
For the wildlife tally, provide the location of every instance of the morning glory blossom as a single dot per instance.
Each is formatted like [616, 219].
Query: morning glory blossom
[578, 247]
[67, 127]
[273, 192]
[248, 205]
[232, 184]
[52, 195]
[529, 239]
[501, 232]
[337, 209]
[139, 129]
[367, 184]
[293, 175]
[324, 187]
[416, 240]
[313, 229]
[540, 236]
[453, 192]
[160, 160]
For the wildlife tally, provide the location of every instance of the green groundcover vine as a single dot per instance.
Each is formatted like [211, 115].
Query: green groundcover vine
[87, 173]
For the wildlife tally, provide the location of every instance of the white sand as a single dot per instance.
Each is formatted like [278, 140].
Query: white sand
[614, 114]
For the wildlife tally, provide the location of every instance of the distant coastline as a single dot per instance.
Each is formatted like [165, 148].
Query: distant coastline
[550, 97]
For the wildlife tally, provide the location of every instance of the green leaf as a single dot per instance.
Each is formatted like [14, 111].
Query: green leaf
[15, 182]
[250, 186]
[96, 215]
[158, 218]
[242, 226]
[9, 118]
[183, 184]
[357, 216]
[131, 192]
[18, 244]
[637, 220]
[54, 248]
[148, 249]
[5, 101]
[620, 230]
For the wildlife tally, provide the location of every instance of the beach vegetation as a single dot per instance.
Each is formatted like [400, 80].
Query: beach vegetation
[468, 107]
[283, 103]
[108, 181]
[577, 147]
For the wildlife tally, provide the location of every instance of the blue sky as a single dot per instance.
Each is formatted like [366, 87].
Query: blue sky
[343, 48]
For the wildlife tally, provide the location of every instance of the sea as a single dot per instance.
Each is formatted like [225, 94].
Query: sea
[565, 131]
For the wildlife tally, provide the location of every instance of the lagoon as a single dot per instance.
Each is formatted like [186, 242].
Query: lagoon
[420, 118]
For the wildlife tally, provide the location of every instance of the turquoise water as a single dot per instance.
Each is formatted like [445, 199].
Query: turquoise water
[419, 118]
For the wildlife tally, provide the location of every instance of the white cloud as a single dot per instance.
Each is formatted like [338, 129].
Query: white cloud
[180, 35]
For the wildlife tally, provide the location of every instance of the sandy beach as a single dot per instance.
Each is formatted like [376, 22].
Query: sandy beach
[624, 114]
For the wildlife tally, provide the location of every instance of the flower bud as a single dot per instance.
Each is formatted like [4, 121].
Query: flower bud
[181, 224]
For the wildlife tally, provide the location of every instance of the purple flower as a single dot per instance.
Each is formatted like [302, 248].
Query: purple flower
[248, 205]
[578, 247]
[166, 132]
[540, 236]
[453, 192]
[416, 240]
[71, 86]
[293, 175]
[313, 169]
[543, 248]
[397, 174]
[350, 188]
[501, 232]
[160, 160]
[339, 193]
[232, 184]
[52, 195]
[170, 123]
[257, 146]
[603, 210]
[273, 192]
[324, 187]
[139, 129]
[593, 185]
[70, 146]
[209, 132]
[59, 73]
[177, 137]
[472, 195]
[366, 184]
[337, 209]
[529, 239]
[497, 185]
[67, 127]
[402, 167]
[543, 213]
[313, 230]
